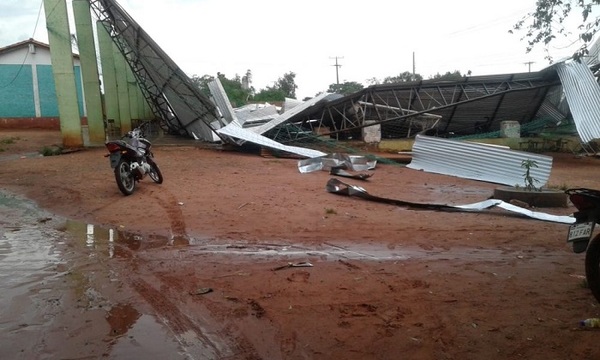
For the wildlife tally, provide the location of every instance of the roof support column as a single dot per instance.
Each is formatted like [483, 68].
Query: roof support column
[89, 71]
[59, 38]
[121, 69]
[109, 76]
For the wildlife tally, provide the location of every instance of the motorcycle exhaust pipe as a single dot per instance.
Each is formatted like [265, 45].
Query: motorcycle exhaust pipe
[140, 169]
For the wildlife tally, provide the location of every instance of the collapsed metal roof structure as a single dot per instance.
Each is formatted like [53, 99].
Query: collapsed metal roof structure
[462, 107]
[470, 105]
[174, 99]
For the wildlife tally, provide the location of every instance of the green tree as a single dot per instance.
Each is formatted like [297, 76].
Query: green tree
[402, 77]
[237, 93]
[547, 21]
[287, 84]
[346, 88]
[373, 81]
[269, 94]
[455, 75]
[284, 87]
[202, 82]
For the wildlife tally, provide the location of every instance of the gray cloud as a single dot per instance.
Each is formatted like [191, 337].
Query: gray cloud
[18, 19]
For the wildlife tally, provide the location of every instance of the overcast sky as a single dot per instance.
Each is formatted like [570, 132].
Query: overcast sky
[372, 39]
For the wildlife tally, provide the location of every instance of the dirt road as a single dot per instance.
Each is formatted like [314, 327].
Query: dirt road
[386, 282]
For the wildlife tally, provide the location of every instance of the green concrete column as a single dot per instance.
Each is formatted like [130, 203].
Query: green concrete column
[133, 95]
[89, 71]
[109, 75]
[59, 37]
[121, 68]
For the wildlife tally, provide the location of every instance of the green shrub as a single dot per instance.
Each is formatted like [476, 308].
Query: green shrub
[51, 150]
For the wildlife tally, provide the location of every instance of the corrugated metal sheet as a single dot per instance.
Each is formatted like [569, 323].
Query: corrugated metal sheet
[258, 116]
[220, 98]
[237, 132]
[477, 161]
[292, 112]
[583, 95]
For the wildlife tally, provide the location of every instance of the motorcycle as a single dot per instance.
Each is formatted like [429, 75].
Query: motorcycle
[587, 202]
[132, 159]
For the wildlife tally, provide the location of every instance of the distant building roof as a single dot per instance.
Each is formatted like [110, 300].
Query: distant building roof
[25, 43]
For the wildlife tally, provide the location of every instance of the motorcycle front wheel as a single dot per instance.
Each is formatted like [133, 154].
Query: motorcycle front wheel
[592, 266]
[154, 172]
[124, 177]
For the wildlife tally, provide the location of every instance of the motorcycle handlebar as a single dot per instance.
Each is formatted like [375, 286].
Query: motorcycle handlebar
[140, 128]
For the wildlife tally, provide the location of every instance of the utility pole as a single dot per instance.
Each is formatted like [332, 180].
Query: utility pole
[337, 66]
[529, 64]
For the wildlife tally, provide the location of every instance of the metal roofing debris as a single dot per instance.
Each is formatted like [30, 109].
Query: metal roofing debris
[256, 116]
[220, 98]
[247, 135]
[291, 113]
[344, 173]
[335, 160]
[338, 187]
[289, 103]
[477, 161]
[583, 95]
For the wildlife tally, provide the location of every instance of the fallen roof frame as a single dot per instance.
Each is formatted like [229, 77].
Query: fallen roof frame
[486, 99]
[168, 90]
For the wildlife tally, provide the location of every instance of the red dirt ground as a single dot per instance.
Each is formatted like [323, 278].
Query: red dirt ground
[386, 282]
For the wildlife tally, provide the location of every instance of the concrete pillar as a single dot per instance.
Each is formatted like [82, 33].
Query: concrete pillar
[121, 68]
[109, 76]
[59, 37]
[133, 95]
[89, 71]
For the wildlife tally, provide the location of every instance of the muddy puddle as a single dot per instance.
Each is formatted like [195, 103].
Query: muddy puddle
[57, 302]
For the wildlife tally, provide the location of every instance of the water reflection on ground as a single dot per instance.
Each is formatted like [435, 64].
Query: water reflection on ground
[58, 300]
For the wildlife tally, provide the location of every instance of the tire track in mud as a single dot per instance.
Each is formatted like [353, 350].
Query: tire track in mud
[171, 206]
[188, 333]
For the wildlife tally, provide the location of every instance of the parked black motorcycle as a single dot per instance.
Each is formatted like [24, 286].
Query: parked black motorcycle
[587, 202]
[132, 159]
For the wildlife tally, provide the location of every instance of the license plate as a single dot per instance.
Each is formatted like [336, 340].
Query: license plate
[114, 159]
[581, 231]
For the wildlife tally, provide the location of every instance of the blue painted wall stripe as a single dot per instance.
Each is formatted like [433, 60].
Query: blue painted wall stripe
[16, 91]
[48, 102]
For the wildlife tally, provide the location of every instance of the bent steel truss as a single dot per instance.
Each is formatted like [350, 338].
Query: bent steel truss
[183, 109]
[449, 108]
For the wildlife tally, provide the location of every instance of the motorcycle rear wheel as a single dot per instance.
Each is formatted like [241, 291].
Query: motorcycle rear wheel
[154, 172]
[592, 266]
[124, 177]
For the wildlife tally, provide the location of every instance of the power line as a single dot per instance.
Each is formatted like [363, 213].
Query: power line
[529, 64]
[337, 66]
[28, 49]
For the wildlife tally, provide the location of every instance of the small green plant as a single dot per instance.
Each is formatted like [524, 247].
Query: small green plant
[51, 150]
[8, 141]
[530, 180]
[330, 211]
